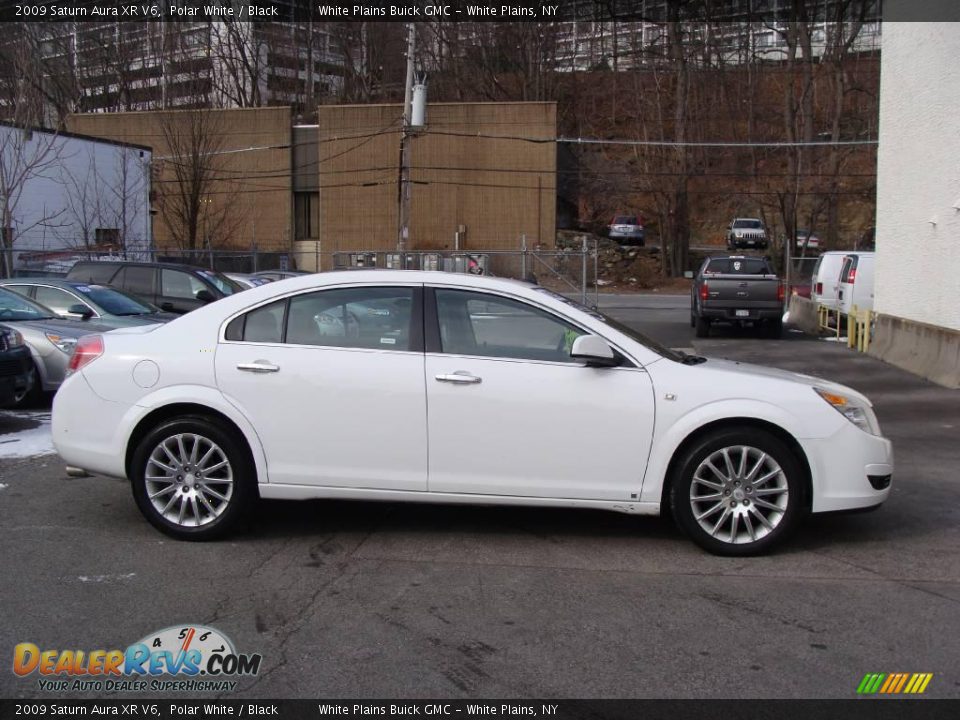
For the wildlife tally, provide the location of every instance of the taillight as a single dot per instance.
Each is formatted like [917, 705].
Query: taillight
[819, 288]
[704, 291]
[781, 291]
[851, 276]
[88, 349]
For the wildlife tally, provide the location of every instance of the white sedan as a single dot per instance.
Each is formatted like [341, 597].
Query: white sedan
[436, 387]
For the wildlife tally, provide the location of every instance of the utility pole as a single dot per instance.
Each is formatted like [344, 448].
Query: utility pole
[403, 199]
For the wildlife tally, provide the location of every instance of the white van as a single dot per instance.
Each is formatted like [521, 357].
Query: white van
[856, 282]
[825, 281]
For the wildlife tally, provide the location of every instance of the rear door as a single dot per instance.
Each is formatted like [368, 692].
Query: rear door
[139, 280]
[332, 381]
[848, 271]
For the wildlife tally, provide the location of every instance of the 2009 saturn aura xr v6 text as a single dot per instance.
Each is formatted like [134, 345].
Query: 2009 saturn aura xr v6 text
[435, 387]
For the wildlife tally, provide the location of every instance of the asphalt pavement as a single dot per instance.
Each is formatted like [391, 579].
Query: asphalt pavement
[389, 600]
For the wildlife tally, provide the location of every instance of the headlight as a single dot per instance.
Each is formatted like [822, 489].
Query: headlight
[64, 344]
[853, 409]
[14, 338]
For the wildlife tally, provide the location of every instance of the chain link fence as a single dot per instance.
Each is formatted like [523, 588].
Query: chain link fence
[571, 269]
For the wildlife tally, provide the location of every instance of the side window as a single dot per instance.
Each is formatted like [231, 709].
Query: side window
[371, 317]
[55, 299]
[178, 284]
[491, 326]
[26, 290]
[93, 272]
[265, 324]
[136, 280]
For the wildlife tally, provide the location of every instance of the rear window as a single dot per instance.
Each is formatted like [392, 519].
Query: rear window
[738, 266]
[625, 220]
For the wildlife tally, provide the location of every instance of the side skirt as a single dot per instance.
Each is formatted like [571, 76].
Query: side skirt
[273, 491]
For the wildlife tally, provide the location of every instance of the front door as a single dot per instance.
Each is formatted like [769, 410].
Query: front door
[510, 413]
[333, 383]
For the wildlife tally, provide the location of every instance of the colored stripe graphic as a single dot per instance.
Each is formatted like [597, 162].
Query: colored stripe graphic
[894, 683]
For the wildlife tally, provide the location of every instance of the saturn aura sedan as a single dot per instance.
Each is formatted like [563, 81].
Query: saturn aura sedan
[449, 388]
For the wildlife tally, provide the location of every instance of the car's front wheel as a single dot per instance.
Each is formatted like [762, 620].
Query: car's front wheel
[738, 491]
[192, 478]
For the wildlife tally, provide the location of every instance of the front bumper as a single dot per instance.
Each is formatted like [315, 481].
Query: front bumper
[851, 470]
[16, 375]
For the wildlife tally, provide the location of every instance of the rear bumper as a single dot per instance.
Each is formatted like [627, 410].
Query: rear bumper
[850, 470]
[99, 446]
[730, 314]
[626, 234]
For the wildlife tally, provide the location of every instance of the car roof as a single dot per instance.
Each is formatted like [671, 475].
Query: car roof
[172, 265]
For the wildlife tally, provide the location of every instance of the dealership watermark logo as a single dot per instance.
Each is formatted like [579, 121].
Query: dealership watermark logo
[188, 658]
[894, 683]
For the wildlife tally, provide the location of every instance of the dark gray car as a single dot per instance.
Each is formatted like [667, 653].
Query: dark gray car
[736, 289]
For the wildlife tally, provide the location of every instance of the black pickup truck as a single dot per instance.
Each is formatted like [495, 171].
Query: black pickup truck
[737, 289]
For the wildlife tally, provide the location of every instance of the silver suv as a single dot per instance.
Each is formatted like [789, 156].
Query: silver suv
[626, 230]
[746, 232]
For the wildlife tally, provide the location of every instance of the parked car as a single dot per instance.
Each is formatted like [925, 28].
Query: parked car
[82, 301]
[746, 232]
[627, 230]
[825, 280]
[174, 288]
[807, 240]
[736, 289]
[247, 280]
[16, 367]
[50, 339]
[856, 282]
[262, 393]
[272, 275]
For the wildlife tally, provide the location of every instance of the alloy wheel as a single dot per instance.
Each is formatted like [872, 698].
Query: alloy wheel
[189, 480]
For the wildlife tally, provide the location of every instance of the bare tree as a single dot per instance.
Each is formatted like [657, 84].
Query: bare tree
[196, 206]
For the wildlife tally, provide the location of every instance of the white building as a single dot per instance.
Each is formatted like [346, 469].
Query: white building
[918, 200]
[64, 191]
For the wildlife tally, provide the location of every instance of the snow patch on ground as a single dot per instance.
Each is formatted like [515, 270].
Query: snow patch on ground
[104, 578]
[25, 442]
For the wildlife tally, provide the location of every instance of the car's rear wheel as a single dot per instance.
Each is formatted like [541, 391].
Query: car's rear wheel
[192, 478]
[773, 328]
[738, 491]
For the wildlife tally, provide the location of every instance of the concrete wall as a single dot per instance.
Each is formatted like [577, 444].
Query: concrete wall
[918, 165]
[71, 187]
[497, 188]
[918, 199]
[250, 198]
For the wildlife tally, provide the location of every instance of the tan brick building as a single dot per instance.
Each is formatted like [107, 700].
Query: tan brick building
[247, 200]
[485, 169]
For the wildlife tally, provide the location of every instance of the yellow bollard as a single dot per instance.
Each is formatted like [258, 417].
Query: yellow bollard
[852, 327]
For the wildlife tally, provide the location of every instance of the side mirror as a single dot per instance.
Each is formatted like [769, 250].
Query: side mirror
[594, 351]
[80, 309]
[205, 296]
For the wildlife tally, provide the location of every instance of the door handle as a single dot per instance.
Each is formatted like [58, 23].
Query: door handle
[258, 367]
[460, 378]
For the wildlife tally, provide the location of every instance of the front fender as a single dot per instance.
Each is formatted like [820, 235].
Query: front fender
[671, 435]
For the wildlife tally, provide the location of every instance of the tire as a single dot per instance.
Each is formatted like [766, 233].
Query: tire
[693, 320]
[702, 326]
[33, 397]
[699, 495]
[773, 328]
[205, 511]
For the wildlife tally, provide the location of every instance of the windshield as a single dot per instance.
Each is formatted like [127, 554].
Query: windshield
[221, 282]
[115, 302]
[16, 307]
[633, 334]
[748, 224]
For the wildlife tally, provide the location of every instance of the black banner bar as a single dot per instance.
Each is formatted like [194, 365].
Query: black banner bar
[147, 709]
